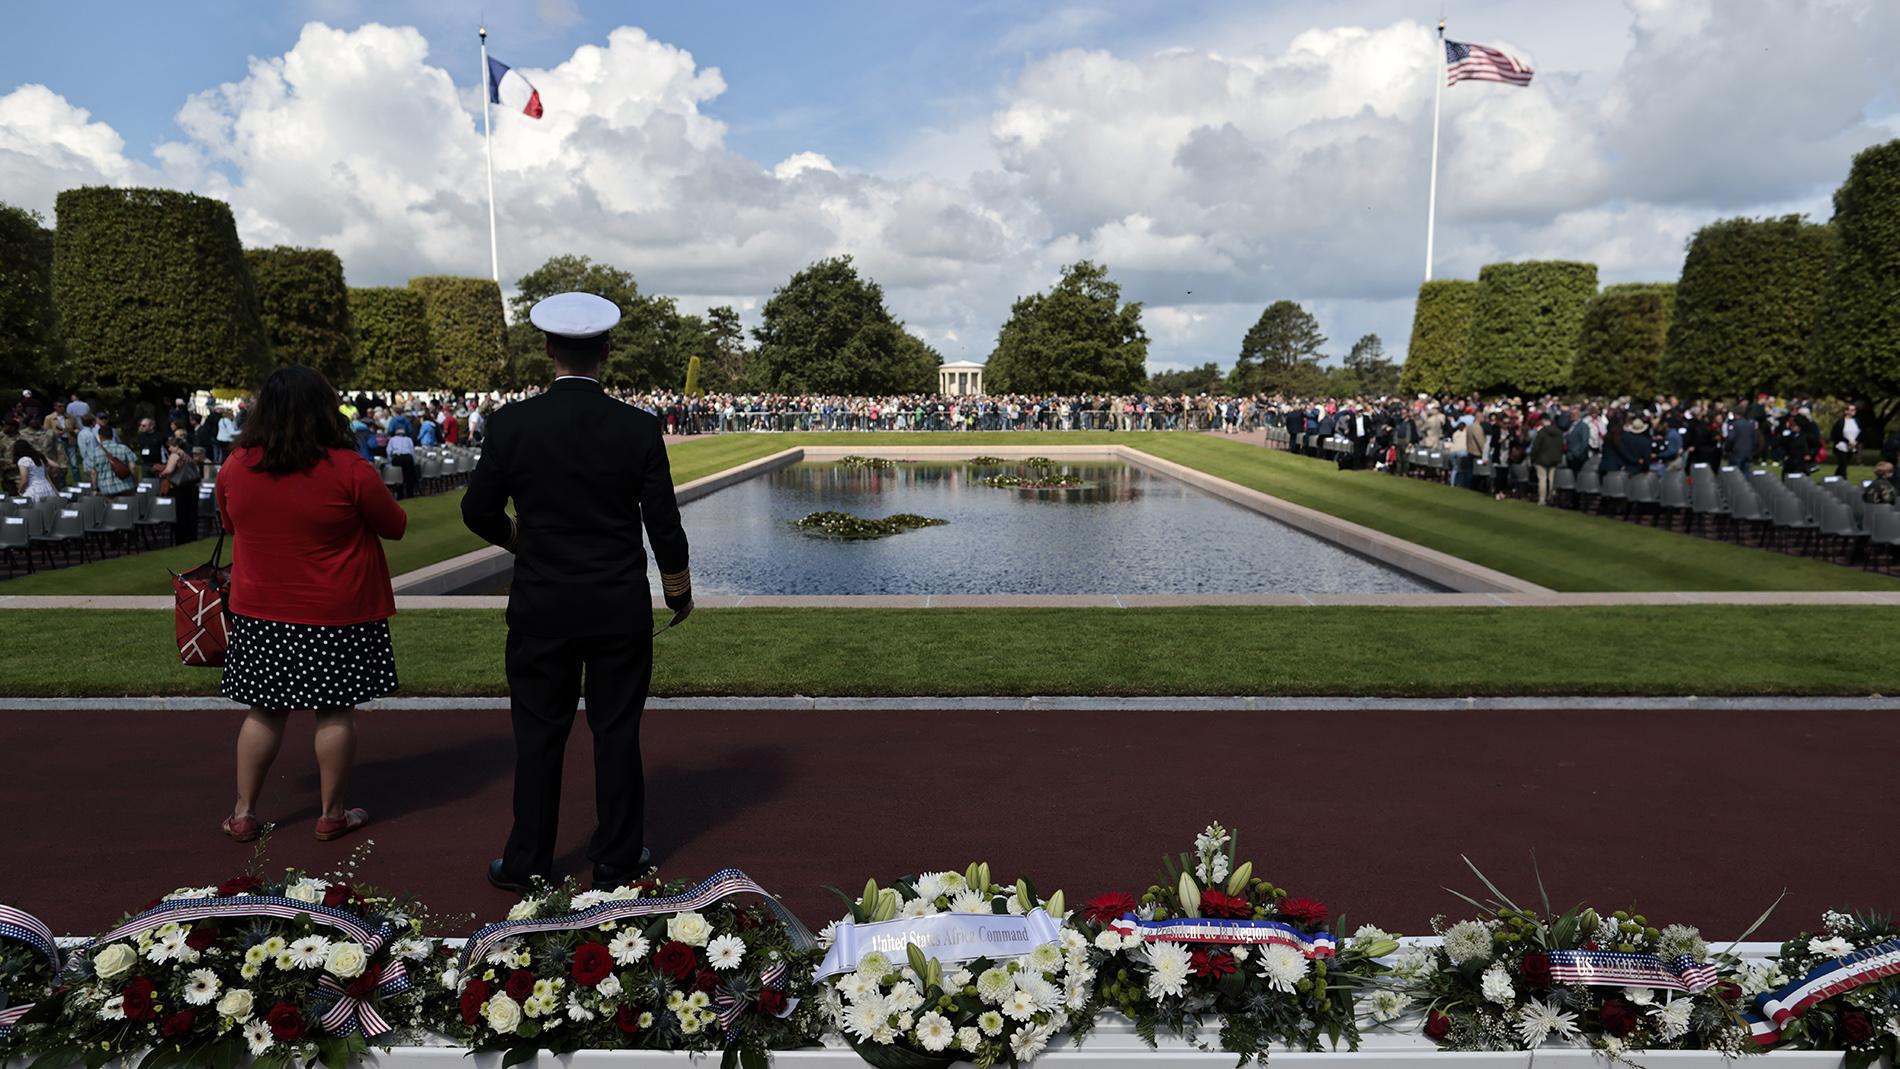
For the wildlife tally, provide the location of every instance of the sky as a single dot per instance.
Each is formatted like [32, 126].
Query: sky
[1216, 156]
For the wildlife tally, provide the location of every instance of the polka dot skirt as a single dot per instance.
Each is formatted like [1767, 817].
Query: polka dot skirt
[279, 666]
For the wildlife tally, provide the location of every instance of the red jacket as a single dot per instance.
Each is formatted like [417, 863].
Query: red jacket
[306, 547]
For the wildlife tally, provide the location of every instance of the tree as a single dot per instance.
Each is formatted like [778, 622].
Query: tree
[1441, 332]
[1190, 381]
[1857, 338]
[306, 308]
[1746, 307]
[153, 294]
[647, 350]
[30, 352]
[1524, 326]
[827, 331]
[467, 333]
[723, 351]
[1078, 338]
[1367, 372]
[1620, 346]
[392, 339]
[1284, 338]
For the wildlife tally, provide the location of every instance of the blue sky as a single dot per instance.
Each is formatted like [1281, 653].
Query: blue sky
[1217, 156]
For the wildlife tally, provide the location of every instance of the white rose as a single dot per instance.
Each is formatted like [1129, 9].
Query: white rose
[526, 909]
[236, 1004]
[609, 987]
[689, 928]
[114, 961]
[346, 961]
[502, 1013]
[306, 891]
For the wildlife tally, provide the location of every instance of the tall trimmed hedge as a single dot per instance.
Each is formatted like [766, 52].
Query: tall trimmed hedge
[467, 332]
[29, 339]
[1746, 307]
[392, 339]
[1621, 344]
[151, 289]
[306, 308]
[1857, 341]
[1524, 326]
[1441, 331]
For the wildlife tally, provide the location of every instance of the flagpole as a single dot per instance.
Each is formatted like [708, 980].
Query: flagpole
[488, 152]
[1438, 96]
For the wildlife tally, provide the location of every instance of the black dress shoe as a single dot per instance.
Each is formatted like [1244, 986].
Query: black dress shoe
[606, 879]
[500, 878]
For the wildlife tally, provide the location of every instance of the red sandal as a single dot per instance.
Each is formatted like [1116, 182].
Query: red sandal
[329, 828]
[242, 829]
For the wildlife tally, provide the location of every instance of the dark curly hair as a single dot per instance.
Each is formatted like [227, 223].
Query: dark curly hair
[294, 422]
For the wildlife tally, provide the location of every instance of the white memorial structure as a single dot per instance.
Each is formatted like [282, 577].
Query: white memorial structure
[960, 378]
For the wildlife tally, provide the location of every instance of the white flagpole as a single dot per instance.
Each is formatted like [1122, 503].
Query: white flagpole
[488, 151]
[1431, 209]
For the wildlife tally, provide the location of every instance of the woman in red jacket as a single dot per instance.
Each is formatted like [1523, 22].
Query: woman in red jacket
[310, 597]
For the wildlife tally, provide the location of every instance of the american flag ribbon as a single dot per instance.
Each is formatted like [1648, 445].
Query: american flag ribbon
[344, 1014]
[1228, 933]
[720, 885]
[1612, 968]
[1824, 981]
[731, 1007]
[23, 927]
[195, 909]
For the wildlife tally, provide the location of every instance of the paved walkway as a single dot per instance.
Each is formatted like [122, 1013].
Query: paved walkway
[1698, 815]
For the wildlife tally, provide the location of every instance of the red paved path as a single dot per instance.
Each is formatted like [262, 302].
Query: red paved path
[1702, 816]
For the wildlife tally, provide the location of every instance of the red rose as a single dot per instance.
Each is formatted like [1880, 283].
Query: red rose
[1110, 907]
[1305, 912]
[473, 996]
[338, 895]
[366, 984]
[592, 963]
[1856, 1027]
[707, 981]
[1215, 963]
[676, 960]
[1220, 904]
[772, 1001]
[1535, 969]
[520, 985]
[138, 1000]
[1436, 1025]
[286, 1022]
[1728, 991]
[202, 937]
[239, 885]
[1619, 1017]
[627, 1020]
[177, 1024]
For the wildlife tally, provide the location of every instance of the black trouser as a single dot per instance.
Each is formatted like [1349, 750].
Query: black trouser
[185, 527]
[411, 475]
[1842, 459]
[545, 684]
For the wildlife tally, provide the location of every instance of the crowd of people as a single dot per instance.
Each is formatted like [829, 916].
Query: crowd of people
[724, 413]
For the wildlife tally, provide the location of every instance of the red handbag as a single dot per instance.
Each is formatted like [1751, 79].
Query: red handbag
[203, 631]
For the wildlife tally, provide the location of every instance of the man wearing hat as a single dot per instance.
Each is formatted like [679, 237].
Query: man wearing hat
[585, 473]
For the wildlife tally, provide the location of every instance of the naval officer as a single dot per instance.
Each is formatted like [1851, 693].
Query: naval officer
[585, 473]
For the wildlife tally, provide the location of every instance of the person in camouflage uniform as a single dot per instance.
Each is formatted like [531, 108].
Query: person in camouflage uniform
[1880, 491]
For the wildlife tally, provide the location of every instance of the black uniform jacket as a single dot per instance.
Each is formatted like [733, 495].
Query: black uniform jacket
[585, 472]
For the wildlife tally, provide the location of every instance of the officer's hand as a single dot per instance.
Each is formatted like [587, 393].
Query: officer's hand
[682, 606]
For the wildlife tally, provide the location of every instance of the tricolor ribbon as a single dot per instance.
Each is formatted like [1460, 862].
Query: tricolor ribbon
[344, 1014]
[1615, 968]
[1775, 1008]
[731, 1007]
[23, 927]
[185, 910]
[719, 886]
[1227, 933]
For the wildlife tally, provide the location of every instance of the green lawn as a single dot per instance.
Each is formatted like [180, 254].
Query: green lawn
[1705, 650]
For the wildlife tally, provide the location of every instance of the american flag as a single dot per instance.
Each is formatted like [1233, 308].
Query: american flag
[1476, 63]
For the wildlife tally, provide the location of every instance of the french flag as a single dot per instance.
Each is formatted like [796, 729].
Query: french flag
[509, 89]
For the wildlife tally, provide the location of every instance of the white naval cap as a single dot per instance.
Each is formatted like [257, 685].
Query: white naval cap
[575, 315]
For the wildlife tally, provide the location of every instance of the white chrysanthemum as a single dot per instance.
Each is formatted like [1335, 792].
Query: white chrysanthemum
[1283, 967]
[725, 952]
[994, 986]
[904, 997]
[526, 909]
[1077, 987]
[1497, 987]
[957, 977]
[310, 952]
[826, 935]
[934, 885]
[968, 1039]
[627, 947]
[1020, 1006]
[934, 1032]
[855, 985]
[1386, 1004]
[874, 966]
[576, 1010]
[257, 1037]
[1168, 965]
[1073, 940]
[410, 949]
[968, 901]
[865, 1017]
[917, 907]
[587, 900]
[1672, 1021]
[1239, 952]
[1039, 987]
[1831, 947]
[1046, 958]
[1029, 1042]
[249, 971]
[1537, 1021]
[113, 1009]
[990, 1022]
[1468, 941]
[201, 987]
[1108, 939]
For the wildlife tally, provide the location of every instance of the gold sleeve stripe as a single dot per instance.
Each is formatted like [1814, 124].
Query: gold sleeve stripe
[677, 582]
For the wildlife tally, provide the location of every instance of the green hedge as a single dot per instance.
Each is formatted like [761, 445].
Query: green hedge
[1621, 344]
[1746, 306]
[29, 339]
[392, 339]
[306, 308]
[1857, 341]
[1524, 326]
[1441, 331]
[467, 332]
[152, 290]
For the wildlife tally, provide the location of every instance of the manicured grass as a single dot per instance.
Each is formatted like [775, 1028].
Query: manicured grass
[1703, 650]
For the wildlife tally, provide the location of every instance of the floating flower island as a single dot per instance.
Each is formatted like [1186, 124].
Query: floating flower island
[845, 525]
[867, 463]
[1038, 482]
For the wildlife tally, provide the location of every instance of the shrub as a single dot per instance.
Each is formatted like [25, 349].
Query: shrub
[1524, 326]
[306, 308]
[1621, 344]
[1745, 308]
[29, 340]
[1857, 340]
[1441, 331]
[392, 339]
[467, 332]
[151, 289]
